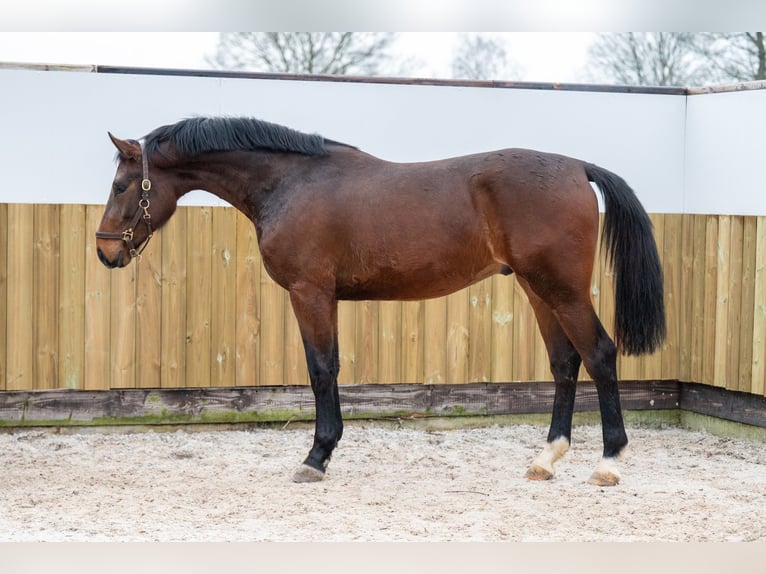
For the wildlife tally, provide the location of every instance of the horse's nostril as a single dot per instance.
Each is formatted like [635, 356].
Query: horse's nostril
[105, 261]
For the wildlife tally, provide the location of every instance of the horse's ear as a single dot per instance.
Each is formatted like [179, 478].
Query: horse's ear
[129, 149]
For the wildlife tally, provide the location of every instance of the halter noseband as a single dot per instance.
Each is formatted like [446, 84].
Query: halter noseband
[142, 213]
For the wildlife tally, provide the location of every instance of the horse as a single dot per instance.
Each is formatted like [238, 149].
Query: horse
[335, 223]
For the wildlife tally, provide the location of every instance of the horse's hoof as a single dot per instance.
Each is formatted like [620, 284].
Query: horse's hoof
[606, 474]
[535, 472]
[306, 473]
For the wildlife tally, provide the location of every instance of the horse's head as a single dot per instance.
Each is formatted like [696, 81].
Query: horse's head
[137, 206]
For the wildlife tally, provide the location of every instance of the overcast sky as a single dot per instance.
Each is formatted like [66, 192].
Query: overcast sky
[539, 56]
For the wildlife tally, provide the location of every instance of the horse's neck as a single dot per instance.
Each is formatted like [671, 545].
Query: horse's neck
[241, 179]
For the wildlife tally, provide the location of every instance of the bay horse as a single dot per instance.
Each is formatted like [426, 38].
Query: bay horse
[334, 223]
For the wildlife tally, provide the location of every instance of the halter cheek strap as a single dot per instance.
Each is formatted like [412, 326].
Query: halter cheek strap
[142, 214]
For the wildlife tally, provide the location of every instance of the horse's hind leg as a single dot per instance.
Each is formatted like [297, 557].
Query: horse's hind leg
[574, 312]
[317, 313]
[599, 355]
[565, 366]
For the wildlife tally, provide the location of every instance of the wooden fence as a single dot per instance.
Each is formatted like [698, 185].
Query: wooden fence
[200, 311]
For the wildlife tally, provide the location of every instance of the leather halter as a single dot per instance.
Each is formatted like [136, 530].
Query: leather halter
[142, 214]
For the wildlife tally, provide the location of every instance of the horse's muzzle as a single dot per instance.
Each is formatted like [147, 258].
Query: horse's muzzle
[110, 264]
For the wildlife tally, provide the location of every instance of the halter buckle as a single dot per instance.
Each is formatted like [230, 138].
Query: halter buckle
[146, 185]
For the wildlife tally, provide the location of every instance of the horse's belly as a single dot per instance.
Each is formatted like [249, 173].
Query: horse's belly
[392, 285]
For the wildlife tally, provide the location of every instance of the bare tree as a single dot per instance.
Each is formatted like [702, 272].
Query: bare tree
[647, 58]
[304, 52]
[738, 57]
[479, 57]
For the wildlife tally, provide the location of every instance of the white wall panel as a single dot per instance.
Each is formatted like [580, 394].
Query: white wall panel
[695, 154]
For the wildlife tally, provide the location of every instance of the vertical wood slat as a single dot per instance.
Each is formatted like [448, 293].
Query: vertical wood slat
[732, 337]
[148, 331]
[710, 299]
[45, 291]
[698, 296]
[480, 332]
[71, 334]
[98, 317]
[747, 314]
[272, 357]
[458, 337]
[389, 342]
[346, 341]
[173, 315]
[248, 300]
[366, 345]
[686, 299]
[198, 296]
[20, 310]
[672, 272]
[223, 250]
[122, 336]
[413, 342]
[758, 385]
[722, 295]
[651, 365]
[435, 341]
[502, 328]
[4, 243]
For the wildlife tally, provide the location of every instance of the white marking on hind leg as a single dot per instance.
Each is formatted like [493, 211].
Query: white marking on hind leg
[542, 467]
[606, 473]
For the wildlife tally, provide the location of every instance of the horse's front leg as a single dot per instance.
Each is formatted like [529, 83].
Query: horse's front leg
[317, 313]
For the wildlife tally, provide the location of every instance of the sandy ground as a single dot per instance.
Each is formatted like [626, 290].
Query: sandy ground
[383, 484]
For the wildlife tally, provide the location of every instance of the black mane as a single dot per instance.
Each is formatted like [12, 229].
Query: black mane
[194, 136]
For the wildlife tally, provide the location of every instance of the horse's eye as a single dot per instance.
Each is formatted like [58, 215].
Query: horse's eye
[119, 188]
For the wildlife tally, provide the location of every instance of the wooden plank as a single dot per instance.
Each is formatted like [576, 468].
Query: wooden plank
[651, 365]
[257, 404]
[122, 337]
[149, 315]
[198, 295]
[758, 385]
[731, 376]
[273, 305]
[435, 334]
[248, 329]
[721, 310]
[458, 337]
[502, 329]
[223, 318]
[366, 346]
[698, 296]
[174, 301]
[45, 295]
[347, 341]
[672, 272]
[522, 367]
[4, 242]
[71, 335]
[686, 299]
[716, 402]
[389, 342]
[711, 300]
[747, 313]
[20, 306]
[480, 332]
[97, 308]
[413, 342]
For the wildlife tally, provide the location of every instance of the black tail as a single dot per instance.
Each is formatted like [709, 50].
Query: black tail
[639, 324]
